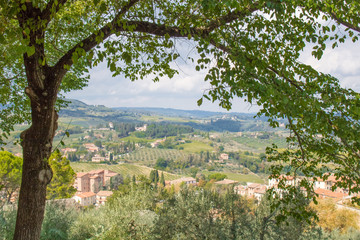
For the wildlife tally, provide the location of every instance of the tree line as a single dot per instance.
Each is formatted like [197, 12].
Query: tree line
[140, 210]
[163, 130]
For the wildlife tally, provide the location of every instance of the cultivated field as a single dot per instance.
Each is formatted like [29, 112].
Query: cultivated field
[196, 147]
[150, 155]
[124, 169]
[239, 177]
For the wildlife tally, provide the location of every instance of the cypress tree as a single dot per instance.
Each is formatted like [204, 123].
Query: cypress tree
[162, 179]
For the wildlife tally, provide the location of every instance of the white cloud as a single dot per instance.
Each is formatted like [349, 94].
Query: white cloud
[342, 62]
[187, 87]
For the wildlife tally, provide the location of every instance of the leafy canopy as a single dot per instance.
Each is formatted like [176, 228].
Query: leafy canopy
[250, 48]
[10, 175]
[61, 185]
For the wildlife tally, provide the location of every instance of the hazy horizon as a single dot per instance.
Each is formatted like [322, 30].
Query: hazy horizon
[183, 90]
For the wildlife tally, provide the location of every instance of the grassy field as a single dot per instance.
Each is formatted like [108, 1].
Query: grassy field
[196, 147]
[83, 122]
[261, 144]
[150, 155]
[124, 169]
[239, 177]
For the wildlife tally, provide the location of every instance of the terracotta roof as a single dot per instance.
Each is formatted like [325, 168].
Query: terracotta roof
[85, 194]
[331, 178]
[184, 179]
[104, 193]
[96, 171]
[260, 189]
[81, 174]
[254, 185]
[226, 181]
[330, 194]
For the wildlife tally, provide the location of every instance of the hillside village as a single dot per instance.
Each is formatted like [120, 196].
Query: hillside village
[90, 185]
[107, 155]
[116, 143]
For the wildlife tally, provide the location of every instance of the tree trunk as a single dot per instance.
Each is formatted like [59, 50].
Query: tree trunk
[36, 175]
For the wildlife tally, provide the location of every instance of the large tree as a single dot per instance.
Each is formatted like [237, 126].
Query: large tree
[61, 185]
[250, 47]
[10, 176]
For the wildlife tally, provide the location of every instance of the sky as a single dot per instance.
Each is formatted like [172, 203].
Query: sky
[184, 89]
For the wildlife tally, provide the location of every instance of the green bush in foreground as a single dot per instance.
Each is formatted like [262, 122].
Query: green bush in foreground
[142, 212]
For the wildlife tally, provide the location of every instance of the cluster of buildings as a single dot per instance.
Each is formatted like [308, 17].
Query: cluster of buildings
[322, 187]
[91, 147]
[90, 185]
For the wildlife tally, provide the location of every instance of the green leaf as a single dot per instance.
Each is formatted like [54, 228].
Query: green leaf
[103, 6]
[112, 67]
[30, 51]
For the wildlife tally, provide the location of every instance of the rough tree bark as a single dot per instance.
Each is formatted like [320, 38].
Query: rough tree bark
[43, 84]
[37, 147]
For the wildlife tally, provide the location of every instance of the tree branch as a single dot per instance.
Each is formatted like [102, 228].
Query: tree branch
[93, 40]
[146, 27]
[232, 16]
[51, 9]
[343, 22]
[270, 68]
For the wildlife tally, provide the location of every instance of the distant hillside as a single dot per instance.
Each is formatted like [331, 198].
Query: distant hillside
[201, 120]
[78, 109]
[192, 114]
[170, 112]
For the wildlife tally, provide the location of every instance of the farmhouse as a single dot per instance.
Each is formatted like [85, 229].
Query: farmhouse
[98, 158]
[186, 180]
[226, 182]
[85, 198]
[102, 196]
[93, 181]
[224, 156]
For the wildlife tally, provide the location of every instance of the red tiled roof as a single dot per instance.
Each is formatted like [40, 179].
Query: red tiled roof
[85, 194]
[81, 174]
[331, 178]
[330, 194]
[183, 179]
[260, 189]
[104, 193]
[226, 181]
[96, 171]
[254, 185]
